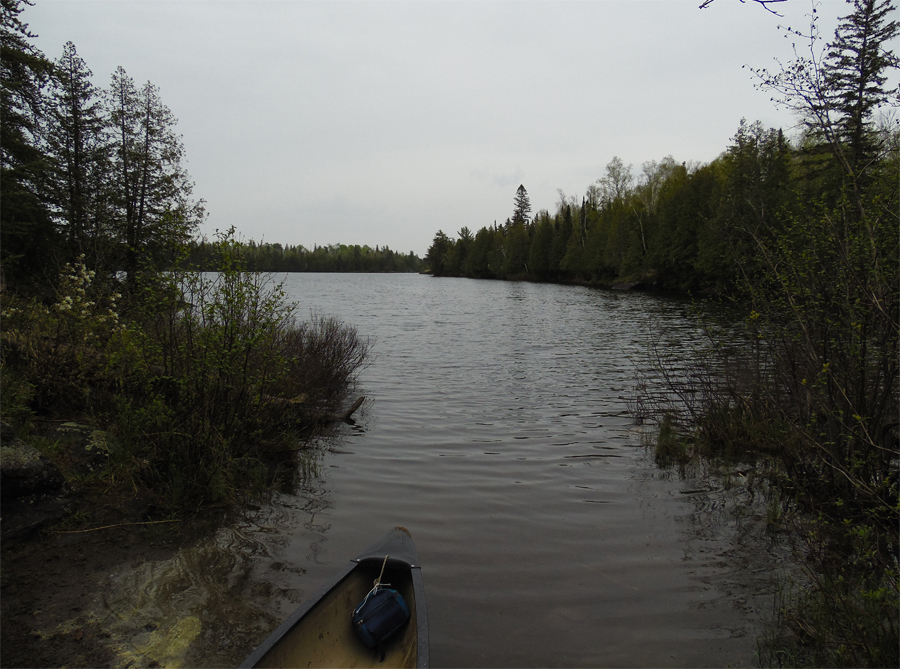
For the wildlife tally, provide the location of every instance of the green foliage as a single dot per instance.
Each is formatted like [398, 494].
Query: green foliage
[674, 230]
[562, 232]
[845, 617]
[204, 384]
[224, 365]
[515, 251]
[541, 246]
[61, 353]
[670, 448]
[90, 172]
[26, 229]
[480, 259]
[856, 69]
[438, 254]
[78, 152]
[814, 236]
[16, 395]
[521, 207]
[152, 211]
[205, 381]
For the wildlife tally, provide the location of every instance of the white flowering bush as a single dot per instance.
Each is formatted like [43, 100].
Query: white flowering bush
[67, 352]
[81, 305]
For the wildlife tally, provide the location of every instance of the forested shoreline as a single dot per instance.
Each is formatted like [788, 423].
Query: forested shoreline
[265, 257]
[676, 227]
[203, 382]
[99, 175]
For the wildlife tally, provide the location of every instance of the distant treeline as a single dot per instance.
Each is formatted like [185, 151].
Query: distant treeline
[678, 226]
[264, 257]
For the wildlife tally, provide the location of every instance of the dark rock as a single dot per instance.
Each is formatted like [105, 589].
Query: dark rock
[631, 285]
[23, 470]
[25, 515]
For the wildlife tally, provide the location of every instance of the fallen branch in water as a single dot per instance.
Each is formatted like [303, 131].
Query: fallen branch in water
[311, 413]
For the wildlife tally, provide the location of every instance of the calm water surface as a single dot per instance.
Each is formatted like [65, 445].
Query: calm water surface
[496, 430]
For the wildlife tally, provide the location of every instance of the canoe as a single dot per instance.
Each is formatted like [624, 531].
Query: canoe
[320, 633]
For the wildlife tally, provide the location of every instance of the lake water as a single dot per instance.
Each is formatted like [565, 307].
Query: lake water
[496, 430]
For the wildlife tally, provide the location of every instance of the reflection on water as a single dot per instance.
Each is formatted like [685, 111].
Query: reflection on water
[497, 432]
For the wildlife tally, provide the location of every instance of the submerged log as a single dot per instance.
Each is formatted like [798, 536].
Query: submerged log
[297, 404]
[331, 417]
[358, 403]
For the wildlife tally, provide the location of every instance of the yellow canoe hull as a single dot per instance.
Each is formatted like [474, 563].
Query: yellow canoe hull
[320, 633]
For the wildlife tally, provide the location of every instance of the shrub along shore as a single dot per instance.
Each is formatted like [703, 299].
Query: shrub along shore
[207, 384]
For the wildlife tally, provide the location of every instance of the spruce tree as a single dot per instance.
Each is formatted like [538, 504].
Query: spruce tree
[152, 196]
[856, 70]
[75, 142]
[26, 231]
[521, 207]
[437, 253]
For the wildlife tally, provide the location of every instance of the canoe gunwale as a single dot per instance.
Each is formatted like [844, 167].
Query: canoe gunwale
[422, 658]
[295, 617]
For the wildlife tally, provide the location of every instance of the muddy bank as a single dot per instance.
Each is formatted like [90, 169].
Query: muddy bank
[49, 582]
[92, 580]
[198, 594]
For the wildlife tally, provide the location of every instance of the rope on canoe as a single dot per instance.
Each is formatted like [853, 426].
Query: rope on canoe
[383, 565]
[378, 584]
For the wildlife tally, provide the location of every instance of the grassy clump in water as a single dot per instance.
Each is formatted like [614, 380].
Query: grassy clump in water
[670, 448]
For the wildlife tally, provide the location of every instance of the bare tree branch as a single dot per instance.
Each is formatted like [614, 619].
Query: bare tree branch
[764, 3]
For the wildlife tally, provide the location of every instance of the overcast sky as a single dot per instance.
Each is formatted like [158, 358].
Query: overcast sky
[381, 122]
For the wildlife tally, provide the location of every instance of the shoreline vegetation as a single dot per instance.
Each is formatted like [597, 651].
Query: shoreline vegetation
[275, 258]
[203, 386]
[799, 243]
[206, 385]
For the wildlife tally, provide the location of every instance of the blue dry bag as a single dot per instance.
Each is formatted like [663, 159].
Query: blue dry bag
[380, 615]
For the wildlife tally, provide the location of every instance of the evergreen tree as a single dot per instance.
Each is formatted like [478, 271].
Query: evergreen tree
[437, 255]
[539, 253]
[75, 141]
[459, 259]
[521, 207]
[516, 246]
[561, 236]
[836, 93]
[26, 230]
[152, 189]
[479, 261]
[855, 74]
